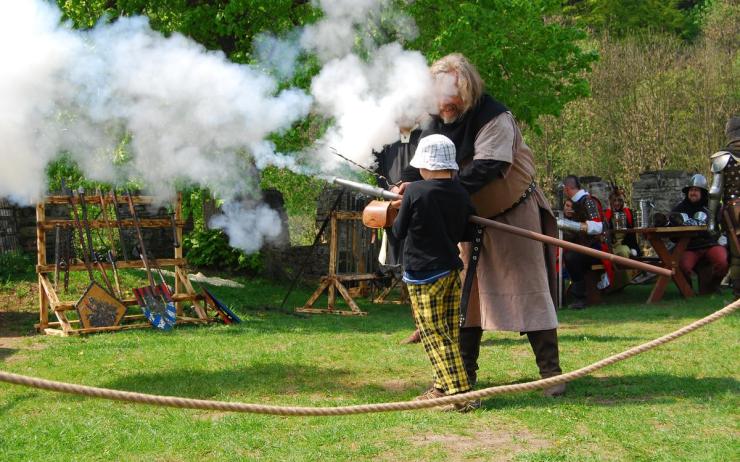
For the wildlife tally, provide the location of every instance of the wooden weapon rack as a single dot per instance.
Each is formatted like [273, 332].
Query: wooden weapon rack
[49, 299]
[333, 282]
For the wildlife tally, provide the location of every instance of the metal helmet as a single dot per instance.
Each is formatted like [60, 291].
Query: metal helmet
[696, 181]
[732, 129]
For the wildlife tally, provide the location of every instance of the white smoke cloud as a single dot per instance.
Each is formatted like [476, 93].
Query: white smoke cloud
[192, 115]
[34, 53]
[248, 228]
[278, 55]
[369, 100]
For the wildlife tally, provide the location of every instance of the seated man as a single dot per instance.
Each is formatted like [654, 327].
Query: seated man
[620, 217]
[584, 228]
[693, 211]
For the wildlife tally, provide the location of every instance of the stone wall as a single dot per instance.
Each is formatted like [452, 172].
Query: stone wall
[661, 188]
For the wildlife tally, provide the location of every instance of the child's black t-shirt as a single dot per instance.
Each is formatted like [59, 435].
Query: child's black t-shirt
[433, 218]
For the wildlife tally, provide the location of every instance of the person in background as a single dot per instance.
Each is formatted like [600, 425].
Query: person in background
[725, 190]
[585, 228]
[620, 217]
[693, 211]
[432, 220]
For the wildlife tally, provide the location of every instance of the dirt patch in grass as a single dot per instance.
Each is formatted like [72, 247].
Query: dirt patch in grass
[501, 445]
[15, 325]
[215, 416]
[15, 330]
[396, 385]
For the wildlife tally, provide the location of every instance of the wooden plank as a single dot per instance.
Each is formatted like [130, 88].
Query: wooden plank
[163, 262]
[343, 215]
[141, 325]
[358, 277]
[63, 321]
[350, 301]
[327, 311]
[48, 289]
[70, 305]
[178, 255]
[333, 249]
[48, 225]
[95, 199]
[200, 309]
[74, 322]
[55, 332]
[41, 260]
[317, 293]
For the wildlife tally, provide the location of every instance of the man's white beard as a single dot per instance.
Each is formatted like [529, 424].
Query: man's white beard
[449, 120]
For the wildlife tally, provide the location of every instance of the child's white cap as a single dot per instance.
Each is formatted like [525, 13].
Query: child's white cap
[435, 152]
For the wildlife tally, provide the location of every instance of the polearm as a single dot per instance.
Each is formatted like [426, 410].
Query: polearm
[380, 192]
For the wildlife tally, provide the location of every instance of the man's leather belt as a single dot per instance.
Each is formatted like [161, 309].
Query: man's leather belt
[527, 192]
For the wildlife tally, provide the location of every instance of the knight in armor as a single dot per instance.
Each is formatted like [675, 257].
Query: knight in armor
[702, 249]
[724, 197]
[584, 228]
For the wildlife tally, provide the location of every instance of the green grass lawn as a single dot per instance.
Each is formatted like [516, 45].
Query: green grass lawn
[678, 402]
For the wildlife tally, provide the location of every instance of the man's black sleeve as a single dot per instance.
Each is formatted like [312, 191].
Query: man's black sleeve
[479, 172]
[470, 228]
[381, 168]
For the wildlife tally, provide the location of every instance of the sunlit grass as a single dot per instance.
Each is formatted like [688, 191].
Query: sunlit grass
[678, 402]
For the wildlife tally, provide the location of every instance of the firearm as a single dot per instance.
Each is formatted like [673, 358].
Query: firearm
[374, 191]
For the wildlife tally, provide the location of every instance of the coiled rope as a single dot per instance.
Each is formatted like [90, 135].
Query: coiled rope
[173, 401]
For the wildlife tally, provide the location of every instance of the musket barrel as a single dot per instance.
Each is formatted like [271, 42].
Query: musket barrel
[366, 189]
[380, 192]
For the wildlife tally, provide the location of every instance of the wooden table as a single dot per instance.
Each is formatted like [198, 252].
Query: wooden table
[669, 258]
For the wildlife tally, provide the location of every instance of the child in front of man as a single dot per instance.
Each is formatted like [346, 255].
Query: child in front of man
[433, 218]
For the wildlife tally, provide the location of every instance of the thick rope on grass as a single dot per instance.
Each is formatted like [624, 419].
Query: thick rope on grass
[173, 401]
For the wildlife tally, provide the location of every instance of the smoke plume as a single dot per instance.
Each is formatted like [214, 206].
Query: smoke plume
[125, 102]
[191, 115]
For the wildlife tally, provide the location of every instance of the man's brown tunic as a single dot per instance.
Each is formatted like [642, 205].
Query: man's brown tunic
[515, 280]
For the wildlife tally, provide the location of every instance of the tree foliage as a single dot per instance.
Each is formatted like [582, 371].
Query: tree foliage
[657, 103]
[624, 17]
[227, 25]
[528, 59]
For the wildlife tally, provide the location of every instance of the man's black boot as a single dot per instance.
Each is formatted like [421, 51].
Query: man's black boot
[470, 349]
[545, 347]
[578, 293]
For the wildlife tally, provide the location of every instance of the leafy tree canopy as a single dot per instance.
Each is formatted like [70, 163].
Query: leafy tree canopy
[227, 25]
[528, 60]
[622, 17]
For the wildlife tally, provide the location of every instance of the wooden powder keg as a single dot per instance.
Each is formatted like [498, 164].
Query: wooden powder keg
[379, 214]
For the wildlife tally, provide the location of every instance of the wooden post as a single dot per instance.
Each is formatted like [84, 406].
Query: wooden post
[178, 250]
[41, 261]
[333, 248]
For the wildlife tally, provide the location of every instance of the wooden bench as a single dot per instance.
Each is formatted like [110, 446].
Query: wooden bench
[593, 276]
